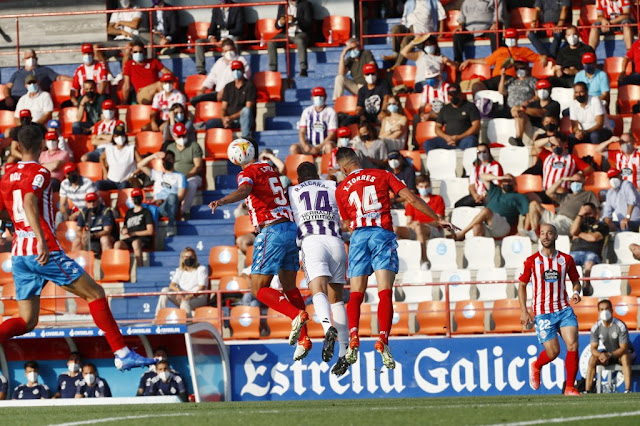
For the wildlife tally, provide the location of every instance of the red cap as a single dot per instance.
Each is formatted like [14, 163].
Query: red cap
[87, 48]
[69, 167]
[344, 132]
[167, 77]
[108, 104]
[91, 196]
[25, 113]
[611, 173]
[137, 192]
[319, 91]
[237, 65]
[51, 136]
[179, 129]
[543, 84]
[588, 58]
[511, 33]
[369, 69]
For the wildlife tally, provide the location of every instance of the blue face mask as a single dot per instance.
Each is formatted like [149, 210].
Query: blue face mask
[138, 56]
[180, 117]
[424, 191]
[318, 101]
[32, 87]
[354, 53]
[433, 82]
[576, 187]
[237, 74]
[392, 108]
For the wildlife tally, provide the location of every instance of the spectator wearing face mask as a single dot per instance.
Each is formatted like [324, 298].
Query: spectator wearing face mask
[69, 381]
[587, 239]
[167, 382]
[140, 76]
[54, 159]
[435, 95]
[179, 114]
[32, 389]
[73, 189]
[190, 276]
[520, 92]
[318, 125]
[621, 211]
[227, 23]
[90, 69]
[343, 140]
[371, 150]
[118, 161]
[89, 109]
[160, 353]
[103, 130]
[597, 81]
[92, 385]
[372, 97]
[138, 228]
[560, 163]
[35, 100]
[589, 122]
[627, 160]
[569, 59]
[429, 60]
[540, 106]
[162, 101]
[484, 164]
[63, 142]
[404, 171]
[352, 60]
[393, 128]
[97, 226]
[24, 120]
[633, 56]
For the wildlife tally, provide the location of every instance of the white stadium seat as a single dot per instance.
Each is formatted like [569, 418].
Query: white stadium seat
[492, 291]
[492, 95]
[563, 244]
[479, 252]
[462, 217]
[398, 217]
[514, 159]
[606, 288]
[621, 246]
[515, 249]
[562, 95]
[468, 157]
[441, 253]
[457, 292]
[501, 129]
[409, 254]
[441, 163]
[414, 294]
[453, 189]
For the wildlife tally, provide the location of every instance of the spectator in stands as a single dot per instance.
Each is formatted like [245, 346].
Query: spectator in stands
[477, 15]
[165, 27]
[238, 103]
[556, 13]
[190, 163]
[122, 29]
[568, 204]
[635, 250]
[63, 142]
[97, 226]
[394, 126]
[318, 125]
[612, 15]
[372, 97]
[92, 385]
[569, 59]
[190, 277]
[179, 114]
[558, 164]
[420, 226]
[430, 62]
[300, 22]
[404, 171]
[118, 161]
[343, 141]
[32, 389]
[597, 81]
[589, 123]
[16, 87]
[621, 211]
[141, 75]
[89, 109]
[500, 216]
[587, 239]
[419, 17]
[90, 69]
[483, 164]
[103, 130]
[352, 60]
[633, 56]
[221, 72]
[371, 150]
[24, 117]
[138, 228]
[540, 106]
[167, 383]
[73, 189]
[4, 387]
[520, 92]
[36, 100]
[160, 353]
[226, 23]
[627, 160]
[54, 159]
[69, 381]
[162, 103]
[267, 156]
[458, 123]
[610, 344]
[169, 187]
[435, 94]
[545, 141]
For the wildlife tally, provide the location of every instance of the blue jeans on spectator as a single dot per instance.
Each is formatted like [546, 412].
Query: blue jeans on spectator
[80, 127]
[245, 122]
[109, 185]
[169, 208]
[582, 257]
[596, 137]
[440, 143]
[534, 37]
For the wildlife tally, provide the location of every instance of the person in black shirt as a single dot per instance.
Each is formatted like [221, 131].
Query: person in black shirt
[69, 381]
[238, 103]
[587, 240]
[569, 59]
[97, 226]
[89, 109]
[404, 171]
[372, 97]
[138, 228]
[460, 118]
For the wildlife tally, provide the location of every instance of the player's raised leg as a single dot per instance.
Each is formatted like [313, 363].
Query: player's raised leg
[550, 352]
[28, 312]
[298, 325]
[339, 314]
[570, 336]
[385, 280]
[319, 288]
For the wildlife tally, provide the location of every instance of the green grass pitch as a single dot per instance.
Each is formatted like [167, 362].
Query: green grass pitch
[618, 409]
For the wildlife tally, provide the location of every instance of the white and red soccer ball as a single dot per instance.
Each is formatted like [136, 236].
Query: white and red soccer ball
[241, 151]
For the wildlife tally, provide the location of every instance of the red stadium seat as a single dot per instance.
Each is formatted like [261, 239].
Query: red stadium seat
[587, 312]
[243, 226]
[412, 104]
[425, 130]
[66, 232]
[596, 182]
[292, 162]
[618, 125]
[506, 316]
[586, 149]
[432, 317]
[90, 170]
[473, 71]
[540, 72]
[524, 17]
[149, 142]
[121, 203]
[137, 117]
[115, 265]
[67, 117]
[404, 74]
[415, 157]
[634, 283]
[60, 92]
[346, 104]
[451, 22]
[366, 316]
[528, 183]
[49, 304]
[626, 309]
[223, 260]
[268, 85]
[192, 84]
[628, 96]
[171, 316]
[265, 31]
[314, 327]
[207, 314]
[337, 29]
[80, 145]
[401, 326]
[613, 67]
[207, 110]
[10, 306]
[216, 142]
[245, 322]
[84, 258]
[6, 274]
[7, 121]
[196, 31]
[234, 282]
[469, 316]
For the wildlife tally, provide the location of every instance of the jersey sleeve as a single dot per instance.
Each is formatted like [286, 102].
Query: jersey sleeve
[245, 177]
[623, 335]
[439, 206]
[395, 184]
[38, 183]
[594, 333]
[526, 273]
[344, 215]
[572, 271]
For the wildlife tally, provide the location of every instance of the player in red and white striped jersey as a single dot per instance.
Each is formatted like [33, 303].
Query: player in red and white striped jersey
[547, 270]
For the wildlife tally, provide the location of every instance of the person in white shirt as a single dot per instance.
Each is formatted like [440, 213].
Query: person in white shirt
[36, 101]
[123, 28]
[318, 125]
[589, 122]
[162, 103]
[189, 277]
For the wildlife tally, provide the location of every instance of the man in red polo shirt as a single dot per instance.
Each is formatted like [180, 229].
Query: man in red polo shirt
[633, 56]
[142, 74]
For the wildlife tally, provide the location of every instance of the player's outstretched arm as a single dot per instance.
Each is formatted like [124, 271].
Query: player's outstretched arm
[525, 317]
[32, 212]
[419, 204]
[237, 195]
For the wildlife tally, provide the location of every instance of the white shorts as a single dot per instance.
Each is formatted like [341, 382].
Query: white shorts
[324, 256]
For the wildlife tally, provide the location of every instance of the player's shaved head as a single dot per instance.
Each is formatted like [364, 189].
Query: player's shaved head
[30, 140]
[550, 227]
[347, 159]
[307, 171]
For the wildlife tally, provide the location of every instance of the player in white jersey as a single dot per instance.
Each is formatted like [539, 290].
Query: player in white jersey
[324, 258]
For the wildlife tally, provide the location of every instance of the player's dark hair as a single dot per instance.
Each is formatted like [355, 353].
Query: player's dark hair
[30, 139]
[177, 105]
[162, 348]
[32, 364]
[607, 301]
[346, 154]
[422, 178]
[164, 361]
[170, 153]
[75, 353]
[307, 171]
[91, 82]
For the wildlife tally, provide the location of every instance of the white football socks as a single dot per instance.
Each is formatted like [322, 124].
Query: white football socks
[340, 323]
[323, 310]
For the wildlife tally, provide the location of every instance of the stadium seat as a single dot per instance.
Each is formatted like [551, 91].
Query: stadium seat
[613, 67]
[216, 142]
[416, 159]
[469, 317]
[618, 126]
[453, 189]
[628, 96]
[279, 324]
[325, 163]
[606, 287]
[565, 126]
[233, 282]
[207, 110]
[500, 130]
[192, 84]
[149, 142]
[398, 218]
[621, 246]
[49, 303]
[292, 162]
[634, 283]
[400, 321]
[441, 163]
[60, 92]
[6, 274]
[469, 156]
[506, 316]
[115, 265]
[418, 276]
[493, 291]
[171, 316]
[245, 322]
[314, 326]
[432, 317]
[441, 252]
[635, 131]
[478, 251]
[67, 116]
[265, 31]
[473, 71]
[243, 226]
[404, 74]
[563, 244]
[336, 31]
[409, 252]
[524, 17]
[457, 292]
[90, 170]
[80, 145]
[424, 131]
[540, 72]
[195, 31]
[451, 23]
[84, 258]
[137, 117]
[2, 96]
[515, 249]
[414, 294]
[528, 183]
[587, 312]
[207, 314]
[346, 104]
[462, 217]
[493, 95]
[596, 182]
[66, 232]
[268, 86]
[562, 95]
[7, 121]
[223, 260]
[411, 104]
[121, 203]
[625, 308]
[10, 306]
[366, 318]
[514, 159]
[587, 149]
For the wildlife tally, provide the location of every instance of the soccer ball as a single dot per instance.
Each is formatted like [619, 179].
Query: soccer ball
[240, 152]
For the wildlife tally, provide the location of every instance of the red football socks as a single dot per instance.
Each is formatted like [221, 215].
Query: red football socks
[103, 318]
[571, 365]
[275, 300]
[543, 359]
[11, 328]
[353, 312]
[385, 314]
[296, 299]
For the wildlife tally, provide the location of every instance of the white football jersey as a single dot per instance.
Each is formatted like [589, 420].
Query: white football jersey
[315, 209]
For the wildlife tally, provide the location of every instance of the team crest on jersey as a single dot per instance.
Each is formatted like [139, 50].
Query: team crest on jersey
[561, 261]
[551, 275]
[38, 181]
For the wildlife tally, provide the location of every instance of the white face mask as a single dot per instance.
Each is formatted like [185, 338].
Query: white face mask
[543, 94]
[370, 79]
[31, 62]
[73, 367]
[521, 73]
[89, 379]
[510, 42]
[430, 49]
[179, 141]
[394, 164]
[164, 375]
[32, 88]
[167, 87]
[343, 142]
[615, 182]
[108, 114]
[572, 39]
[87, 59]
[119, 140]
[318, 101]
[125, 3]
[32, 376]
[138, 56]
[52, 145]
[237, 74]
[605, 315]
[229, 55]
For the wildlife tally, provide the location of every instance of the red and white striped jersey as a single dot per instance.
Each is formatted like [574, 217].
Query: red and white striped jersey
[556, 167]
[548, 275]
[493, 168]
[96, 72]
[435, 96]
[629, 165]
[613, 8]
[103, 127]
[162, 102]
[19, 180]
[363, 198]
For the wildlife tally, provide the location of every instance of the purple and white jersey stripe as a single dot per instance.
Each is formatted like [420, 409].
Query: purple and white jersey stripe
[317, 125]
[315, 209]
